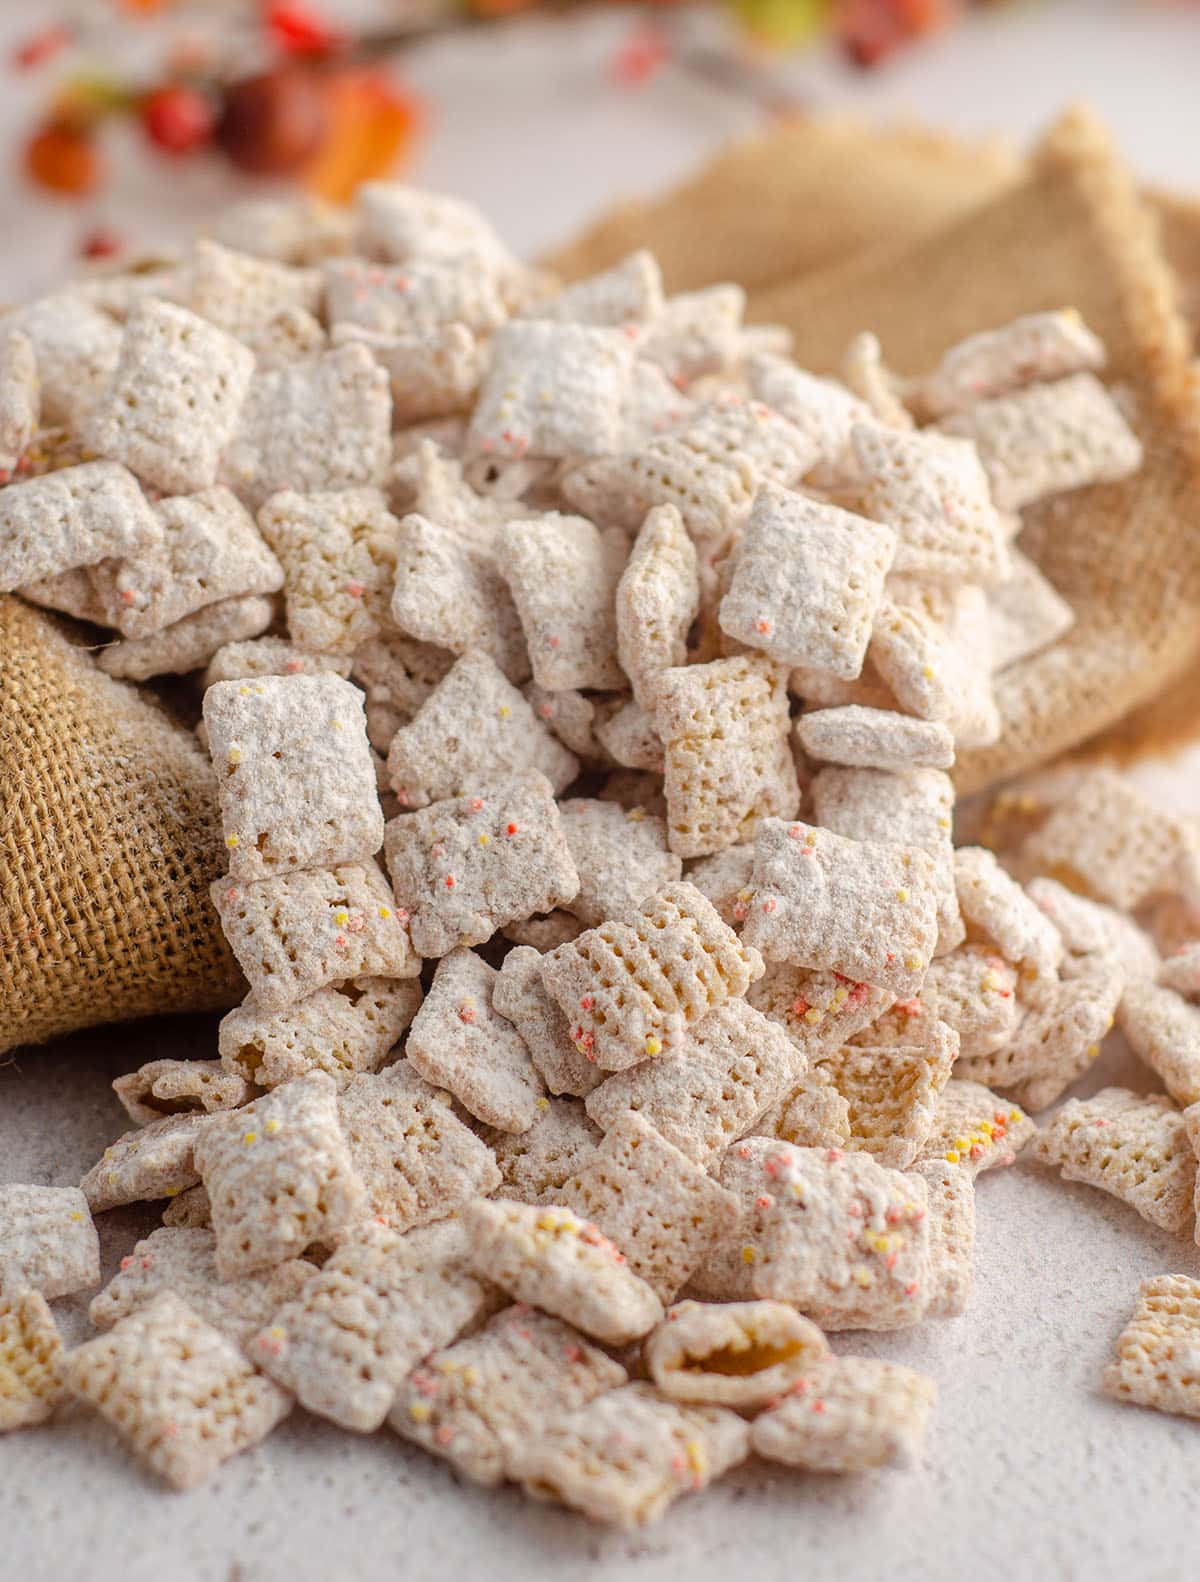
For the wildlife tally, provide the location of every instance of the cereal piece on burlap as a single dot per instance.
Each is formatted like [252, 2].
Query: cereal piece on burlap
[294, 773]
[465, 866]
[71, 592]
[1106, 839]
[180, 1392]
[76, 347]
[862, 908]
[73, 517]
[818, 1010]
[664, 1212]
[848, 1414]
[175, 1087]
[190, 1209]
[548, 1257]
[270, 656]
[1131, 1145]
[47, 1240]
[867, 738]
[189, 644]
[243, 294]
[633, 986]
[563, 573]
[891, 1094]
[933, 492]
[361, 1324]
[1181, 971]
[1155, 1362]
[931, 645]
[552, 390]
[1026, 613]
[185, 1262]
[343, 1029]
[724, 878]
[301, 230]
[461, 1042]
[174, 399]
[338, 551]
[300, 932]
[481, 1402]
[629, 1454]
[995, 906]
[1031, 349]
[807, 582]
[1048, 438]
[621, 857]
[556, 1147]
[473, 729]
[450, 593]
[629, 736]
[951, 1236]
[733, 1066]
[658, 598]
[417, 1160]
[1164, 1031]
[280, 1176]
[321, 424]
[519, 994]
[867, 376]
[729, 766]
[433, 373]
[19, 399]
[1054, 1043]
[31, 1352]
[156, 1161]
[414, 298]
[975, 1129]
[738, 1354]
[630, 293]
[974, 991]
[543, 933]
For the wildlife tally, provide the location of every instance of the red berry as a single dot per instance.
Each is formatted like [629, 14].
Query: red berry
[177, 118]
[273, 123]
[100, 243]
[43, 46]
[63, 159]
[299, 31]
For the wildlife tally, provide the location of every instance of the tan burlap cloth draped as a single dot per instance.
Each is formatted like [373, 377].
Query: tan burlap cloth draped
[108, 826]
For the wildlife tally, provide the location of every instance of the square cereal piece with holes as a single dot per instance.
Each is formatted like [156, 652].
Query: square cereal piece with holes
[665, 1213]
[974, 991]
[480, 1402]
[172, 1087]
[933, 492]
[931, 646]
[450, 593]
[461, 1042]
[862, 908]
[633, 986]
[1026, 613]
[738, 1354]
[174, 399]
[519, 994]
[535, 1163]
[813, 1115]
[863, 738]
[293, 230]
[658, 598]
[995, 906]
[464, 867]
[321, 424]
[1131, 1145]
[1054, 1043]
[47, 1240]
[1032, 349]
[338, 552]
[343, 1029]
[729, 765]
[76, 347]
[1105, 838]
[551, 1259]
[652, 405]
[179, 1392]
[394, 222]
[1181, 971]
[572, 716]
[74, 517]
[397, 673]
[243, 294]
[270, 656]
[433, 373]
[552, 390]
[951, 1237]
[975, 1129]
[629, 1454]
[696, 332]
[1049, 438]
[733, 1066]
[822, 409]
[848, 1414]
[31, 1353]
[722, 878]
[72, 592]
[473, 729]
[628, 736]
[413, 298]
[807, 582]
[344, 1345]
[184, 1261]
[157, 1161]
[188, 644]
[563, 573]
[294, 772]
[1155, 1362]
[621, 857]
[300, 932]
[891, 1094]
[418, 1161]
[1164, 1031]
[818, 1010]
[19, 399]
[280, 1176]
[630, 293]
[1094, 935]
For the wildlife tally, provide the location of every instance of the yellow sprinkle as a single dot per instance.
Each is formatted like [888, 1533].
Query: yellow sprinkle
[541, 1104]
[341, 917]
[927, 672]
[902, 895]
[813, 1015]
[697, 1460]
[250, 1137]
[962, 1144]
[748, 1255]
[385, 911]
[952, 1157]
[337, 724]
[913, 963]
[470, 1375]
[271, 1128]
[504, 711]
[231, 841]
[277, 1332]
[235, 755]
[943, 823]
[244, 692]
[419, 1412]
[863, 1277]
[77, 1216]
[636, 815]
[653, 1045]
[1093, 1051]
[840, 995]
[1014, 1115]
[485, 840]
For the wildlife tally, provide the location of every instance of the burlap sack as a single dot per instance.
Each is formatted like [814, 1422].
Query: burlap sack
[109, 839]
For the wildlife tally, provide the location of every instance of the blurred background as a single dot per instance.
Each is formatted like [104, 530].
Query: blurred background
[125, 123]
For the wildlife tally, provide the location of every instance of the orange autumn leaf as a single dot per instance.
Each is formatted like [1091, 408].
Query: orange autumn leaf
[371, 128]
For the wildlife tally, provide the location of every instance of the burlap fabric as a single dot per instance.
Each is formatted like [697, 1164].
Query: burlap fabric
[109, 839]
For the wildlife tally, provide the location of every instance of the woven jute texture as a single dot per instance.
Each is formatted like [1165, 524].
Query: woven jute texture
[109, 839]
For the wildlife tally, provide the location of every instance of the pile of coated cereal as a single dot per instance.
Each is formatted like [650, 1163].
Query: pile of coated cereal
[662, 1029]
